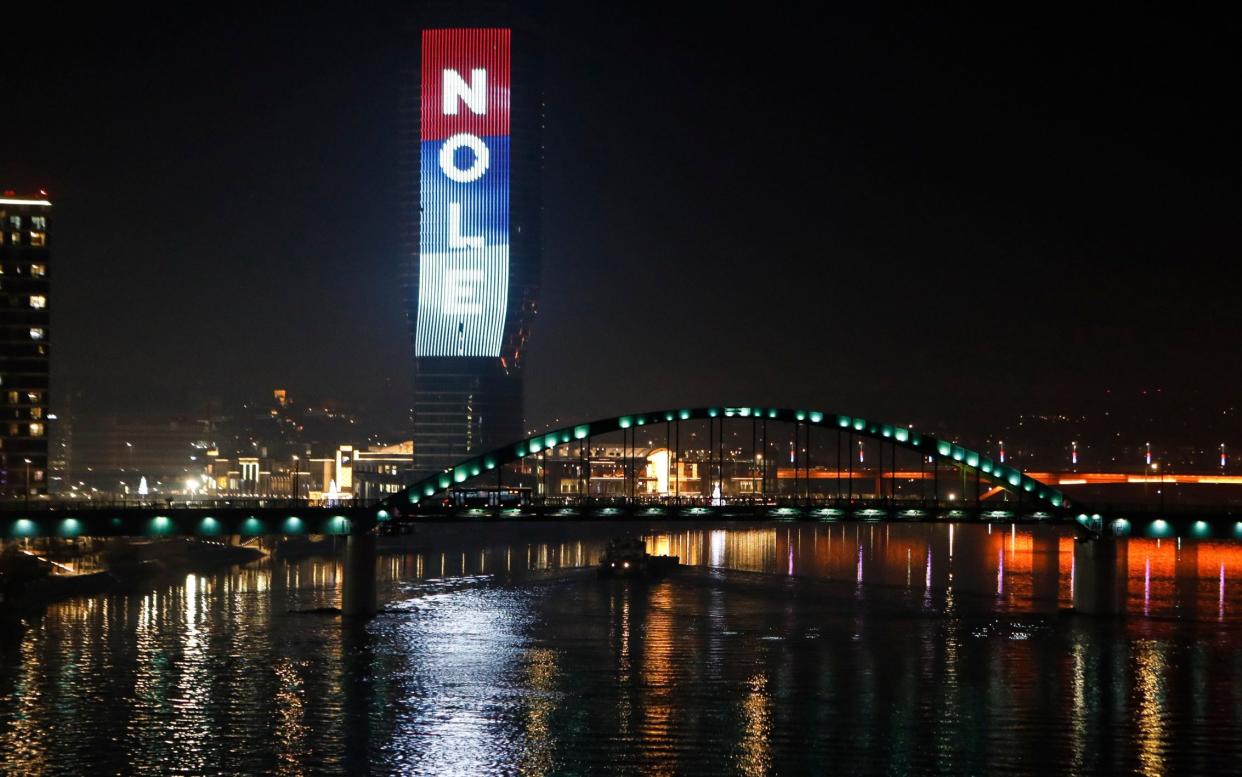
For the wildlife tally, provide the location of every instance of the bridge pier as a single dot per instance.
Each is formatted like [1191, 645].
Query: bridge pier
[1045, 569]
[358, 594]
[1101, 572]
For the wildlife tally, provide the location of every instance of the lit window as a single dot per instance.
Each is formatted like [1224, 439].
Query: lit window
[15, 222]
[36, 333]
[38, 301]
[16, 238]
[36, 413]
[39, 223]
[32, 396]
[36, 430]
[38, 270]
[36, 239]
[14, 398]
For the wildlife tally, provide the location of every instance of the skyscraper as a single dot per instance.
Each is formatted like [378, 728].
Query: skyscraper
[475, 246]
[24, 254]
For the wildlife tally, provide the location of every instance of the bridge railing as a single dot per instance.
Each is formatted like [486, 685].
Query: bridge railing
[88, 505]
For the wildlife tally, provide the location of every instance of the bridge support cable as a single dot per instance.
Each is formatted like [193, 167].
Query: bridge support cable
[892, 485]
[765, 459]
[837, 461]
[808, 462]
[677, 433]
[978, 490]
[849, 477]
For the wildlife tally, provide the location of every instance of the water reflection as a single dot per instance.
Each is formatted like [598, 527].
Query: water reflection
[786, 648]
[1022, 568]
[756, 728]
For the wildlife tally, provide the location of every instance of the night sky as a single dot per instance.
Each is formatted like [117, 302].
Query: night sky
[908, 216]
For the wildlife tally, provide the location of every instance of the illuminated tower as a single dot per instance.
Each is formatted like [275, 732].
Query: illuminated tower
[475, 249]
[24, 254]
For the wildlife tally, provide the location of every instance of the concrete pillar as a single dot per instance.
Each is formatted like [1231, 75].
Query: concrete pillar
[358, 596]
[1045, 569]
[1101, 574]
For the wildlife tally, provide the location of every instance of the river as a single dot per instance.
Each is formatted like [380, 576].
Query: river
[782, 649]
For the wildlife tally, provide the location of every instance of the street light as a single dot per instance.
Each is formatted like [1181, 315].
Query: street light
[297, 470]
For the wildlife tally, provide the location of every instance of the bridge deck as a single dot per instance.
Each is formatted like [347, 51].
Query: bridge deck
[52, 519]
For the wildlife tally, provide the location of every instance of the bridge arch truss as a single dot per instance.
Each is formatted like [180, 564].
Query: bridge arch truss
[1037, 496]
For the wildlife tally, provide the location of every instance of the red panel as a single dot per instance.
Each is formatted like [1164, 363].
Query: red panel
[464, 51]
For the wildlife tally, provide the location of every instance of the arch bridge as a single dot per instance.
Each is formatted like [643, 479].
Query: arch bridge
[604, 470]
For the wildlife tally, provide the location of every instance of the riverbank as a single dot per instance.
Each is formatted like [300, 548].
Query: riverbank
[29, 582]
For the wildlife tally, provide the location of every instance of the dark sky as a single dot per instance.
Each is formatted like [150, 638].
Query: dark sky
[890, 214]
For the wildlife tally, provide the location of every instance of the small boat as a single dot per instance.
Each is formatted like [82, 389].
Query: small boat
[629, 558]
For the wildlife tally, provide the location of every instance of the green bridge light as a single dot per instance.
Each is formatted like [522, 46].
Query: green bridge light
[209, 527]
[24, 527]
[292, 525]
[1159, 528]
[160, 525]
[70, 527]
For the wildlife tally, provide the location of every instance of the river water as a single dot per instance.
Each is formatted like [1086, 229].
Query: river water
[784, 649]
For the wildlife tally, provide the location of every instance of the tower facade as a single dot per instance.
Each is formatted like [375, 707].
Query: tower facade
[25, 250]
[475, 252]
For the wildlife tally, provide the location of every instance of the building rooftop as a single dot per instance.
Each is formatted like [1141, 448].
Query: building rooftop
[11, 197]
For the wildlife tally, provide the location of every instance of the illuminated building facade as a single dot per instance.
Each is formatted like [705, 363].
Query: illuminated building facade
[474, 236]
[24, 376]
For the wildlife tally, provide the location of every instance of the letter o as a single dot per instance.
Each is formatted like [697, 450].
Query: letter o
[449, 165]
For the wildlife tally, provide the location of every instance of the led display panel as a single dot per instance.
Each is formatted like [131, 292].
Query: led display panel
[463, 271]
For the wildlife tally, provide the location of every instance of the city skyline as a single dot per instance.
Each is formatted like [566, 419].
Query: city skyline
[216, 248]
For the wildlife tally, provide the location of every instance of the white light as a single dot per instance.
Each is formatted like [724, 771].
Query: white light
[44, 203]
[448, 158]
[455, 88]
